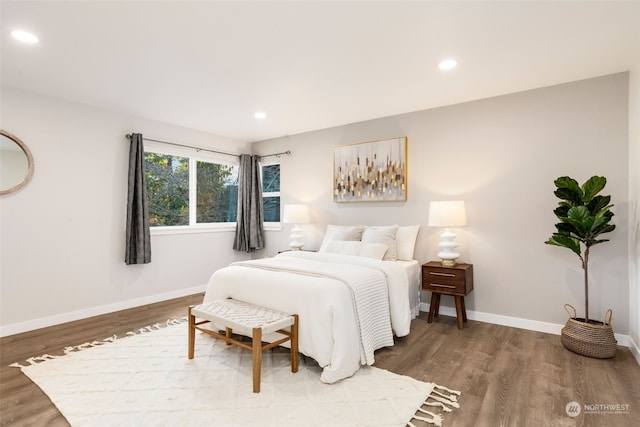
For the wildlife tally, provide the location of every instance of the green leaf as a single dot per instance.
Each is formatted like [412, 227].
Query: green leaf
[566, 242]
[561, 211]
[573, 197]
[595, 242]
[581, 219]
[565, 228]
[607, 228]
[593, 186]
[599, 203]
[568, 183]
[598, 223]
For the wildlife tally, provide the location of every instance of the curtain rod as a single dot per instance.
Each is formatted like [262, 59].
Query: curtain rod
[284, 153]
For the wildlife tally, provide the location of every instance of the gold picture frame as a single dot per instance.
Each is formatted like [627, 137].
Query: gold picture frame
[373, 171]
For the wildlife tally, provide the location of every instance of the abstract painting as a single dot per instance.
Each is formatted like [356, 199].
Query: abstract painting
[371, 171]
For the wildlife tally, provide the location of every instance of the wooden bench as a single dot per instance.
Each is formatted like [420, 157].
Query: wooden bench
[248, 320]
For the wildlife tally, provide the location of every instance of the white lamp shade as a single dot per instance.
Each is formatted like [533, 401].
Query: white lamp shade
[296, 214]
[447, 214]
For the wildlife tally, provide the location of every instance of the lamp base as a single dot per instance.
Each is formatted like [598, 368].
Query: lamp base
[448, 247]
[297, 238]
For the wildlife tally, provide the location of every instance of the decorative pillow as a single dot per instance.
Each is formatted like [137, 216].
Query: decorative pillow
[342, 232]
[385, 235]
[354, 248]
[406, 241]
[373, 250]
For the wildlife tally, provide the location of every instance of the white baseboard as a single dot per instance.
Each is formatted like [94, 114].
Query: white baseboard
[515, 322]
[30, 325]
[635, 349]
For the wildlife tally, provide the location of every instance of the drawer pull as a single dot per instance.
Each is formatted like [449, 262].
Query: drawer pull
[442, 274]
[439, 285]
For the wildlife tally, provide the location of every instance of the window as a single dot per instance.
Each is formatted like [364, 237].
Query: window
[217, 195]
[188, 191]
[271, 191]
[167, 189]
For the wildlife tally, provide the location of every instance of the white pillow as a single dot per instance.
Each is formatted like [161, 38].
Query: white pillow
[406, 241]
[342, 232]
[373, 250]
[354, 248]
[385, 235]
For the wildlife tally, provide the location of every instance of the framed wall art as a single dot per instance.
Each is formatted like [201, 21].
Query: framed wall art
[371, 171]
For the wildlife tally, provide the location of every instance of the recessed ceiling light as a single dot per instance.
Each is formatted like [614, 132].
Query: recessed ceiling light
[448, 64]
[260, 115]
[24, 36]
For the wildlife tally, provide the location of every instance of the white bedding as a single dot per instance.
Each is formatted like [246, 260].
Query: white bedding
[331, 322]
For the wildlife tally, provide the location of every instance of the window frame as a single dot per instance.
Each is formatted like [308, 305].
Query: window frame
[272, 225]
[194, 157]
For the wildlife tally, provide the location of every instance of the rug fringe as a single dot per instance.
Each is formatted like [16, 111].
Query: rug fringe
[439, 404]
[435, 419]
[441, 387]
[34, 360]
[444, 401]
[80, 347]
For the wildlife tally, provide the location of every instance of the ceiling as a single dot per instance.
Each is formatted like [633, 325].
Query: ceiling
[211, 65]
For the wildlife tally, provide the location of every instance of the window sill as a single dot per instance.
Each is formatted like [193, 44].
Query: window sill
[165, 231]
[174, 230]
[272, 226]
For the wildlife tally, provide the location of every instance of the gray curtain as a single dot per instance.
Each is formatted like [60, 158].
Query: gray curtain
[250, 221]
[138, 237]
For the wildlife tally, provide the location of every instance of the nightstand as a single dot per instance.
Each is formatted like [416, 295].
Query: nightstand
[456, 281]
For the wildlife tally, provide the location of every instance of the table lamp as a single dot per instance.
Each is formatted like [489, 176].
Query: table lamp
[447, 214]
[296, 215]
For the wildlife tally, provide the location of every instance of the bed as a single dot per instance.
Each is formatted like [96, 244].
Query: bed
[352, 296]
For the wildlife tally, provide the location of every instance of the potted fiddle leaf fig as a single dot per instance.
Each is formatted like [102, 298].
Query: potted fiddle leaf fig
[584, 216]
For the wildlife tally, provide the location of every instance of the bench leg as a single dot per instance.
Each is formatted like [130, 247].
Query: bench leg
[294, 344]
[192, 333]
[257, 358]
[229, 333]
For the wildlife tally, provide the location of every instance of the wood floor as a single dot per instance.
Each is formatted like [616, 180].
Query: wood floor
[507, 376]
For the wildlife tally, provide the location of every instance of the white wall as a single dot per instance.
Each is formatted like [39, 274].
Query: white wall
[634, 211]
[63, 234]
[501, 155]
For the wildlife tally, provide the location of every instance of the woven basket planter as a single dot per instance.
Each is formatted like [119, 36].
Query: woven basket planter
[588, 339]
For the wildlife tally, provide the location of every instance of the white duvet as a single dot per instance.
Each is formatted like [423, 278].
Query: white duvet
[340, 300]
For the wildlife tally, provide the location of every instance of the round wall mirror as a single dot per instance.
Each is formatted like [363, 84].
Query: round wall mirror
[16, 163]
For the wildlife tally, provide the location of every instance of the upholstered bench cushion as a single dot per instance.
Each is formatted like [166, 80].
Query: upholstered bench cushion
[242, 317]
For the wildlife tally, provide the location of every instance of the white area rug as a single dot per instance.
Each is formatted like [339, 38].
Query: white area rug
[146, 379]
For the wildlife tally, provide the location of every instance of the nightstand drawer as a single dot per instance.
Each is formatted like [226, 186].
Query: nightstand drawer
[443, 274]
[444, 287]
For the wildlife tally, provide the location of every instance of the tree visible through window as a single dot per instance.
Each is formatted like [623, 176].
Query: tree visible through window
[167, 189]
[171, 201]
[217, 193]
[271, 192]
